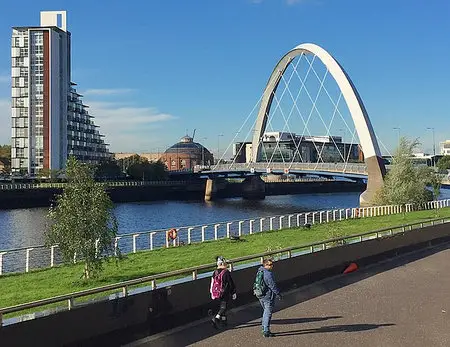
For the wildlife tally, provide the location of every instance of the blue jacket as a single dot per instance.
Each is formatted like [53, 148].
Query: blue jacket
[272, 289]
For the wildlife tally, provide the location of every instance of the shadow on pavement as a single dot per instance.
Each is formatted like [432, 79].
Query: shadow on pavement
[290, 321]
[334, 328]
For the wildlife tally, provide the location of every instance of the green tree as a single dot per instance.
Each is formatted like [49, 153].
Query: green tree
[405, 183]
[82, 221]
[125, 163]
[146, 171]
[47, 175]
[108, 169]
[444, 163]
[5, 151]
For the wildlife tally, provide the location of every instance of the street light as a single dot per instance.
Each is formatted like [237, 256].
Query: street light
[203, 151]
[434, 146]
[398, 135]
[218, 147]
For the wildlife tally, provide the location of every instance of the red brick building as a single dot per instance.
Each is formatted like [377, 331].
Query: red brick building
[186, 154]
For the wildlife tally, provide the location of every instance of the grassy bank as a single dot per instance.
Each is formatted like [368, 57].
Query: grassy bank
[39, 284]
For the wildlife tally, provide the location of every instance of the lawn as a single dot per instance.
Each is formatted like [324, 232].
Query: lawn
[21, 288]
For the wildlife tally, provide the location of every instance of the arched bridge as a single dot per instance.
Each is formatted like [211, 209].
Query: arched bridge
[373, 166]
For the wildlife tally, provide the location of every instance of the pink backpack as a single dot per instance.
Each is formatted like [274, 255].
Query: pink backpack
[216, 289]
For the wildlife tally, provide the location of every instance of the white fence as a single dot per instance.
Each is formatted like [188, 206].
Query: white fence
[28, 258]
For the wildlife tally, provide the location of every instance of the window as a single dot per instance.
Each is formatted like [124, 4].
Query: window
[15, 41]
[23, 72]
[39, 131]
[21, 132]
[39, 121]
[37, 69]
[38, 49]
[16, 102]
[20, 152]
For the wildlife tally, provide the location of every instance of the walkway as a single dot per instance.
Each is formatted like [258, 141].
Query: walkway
[403, 302]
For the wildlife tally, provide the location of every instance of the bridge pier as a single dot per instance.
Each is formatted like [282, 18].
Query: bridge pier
[375, 180]
[211, 189]
[253, 188]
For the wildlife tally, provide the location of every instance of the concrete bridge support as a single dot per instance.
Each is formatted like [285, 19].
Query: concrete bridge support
[253, 188]
[211, 189]
[375, 180]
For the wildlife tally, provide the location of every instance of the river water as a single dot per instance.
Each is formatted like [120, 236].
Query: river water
[25, 227]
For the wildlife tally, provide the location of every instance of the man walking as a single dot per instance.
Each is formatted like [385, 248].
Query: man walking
[222, 289]
[268, 299]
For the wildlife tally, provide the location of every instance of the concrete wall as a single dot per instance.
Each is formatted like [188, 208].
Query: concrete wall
[113, 322]
[193, 190]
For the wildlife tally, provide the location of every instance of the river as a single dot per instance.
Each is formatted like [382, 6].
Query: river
[25, 227]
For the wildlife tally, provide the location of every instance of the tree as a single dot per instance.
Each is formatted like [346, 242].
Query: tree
[108, 169]
[48, 175]
[5, 151]
[444, 163]
[82, 221]
[146, 171]
[405, 183]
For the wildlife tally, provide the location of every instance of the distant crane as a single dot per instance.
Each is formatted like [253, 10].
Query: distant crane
[193, 135]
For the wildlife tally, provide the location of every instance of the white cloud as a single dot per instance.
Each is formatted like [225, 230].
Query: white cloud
[106, 92]
[129, 128]
[5, 121]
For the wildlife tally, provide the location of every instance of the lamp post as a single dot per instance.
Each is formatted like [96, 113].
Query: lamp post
[434, 146]
[203, 151]
[218, 147]
[398, 135]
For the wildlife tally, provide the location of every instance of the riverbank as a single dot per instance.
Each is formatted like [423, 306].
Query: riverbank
[172, 190]
[40, 284]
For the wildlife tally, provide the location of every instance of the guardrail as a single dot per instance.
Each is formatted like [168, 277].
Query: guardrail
[350, 168]
[194, 271]
[16, 186]
[25, 259]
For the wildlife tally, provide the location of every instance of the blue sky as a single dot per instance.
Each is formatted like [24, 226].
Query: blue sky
[150, 70]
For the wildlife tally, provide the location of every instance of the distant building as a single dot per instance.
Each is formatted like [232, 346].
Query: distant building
[186, 154]
[289, 147]
[49, 120]
[445, 147]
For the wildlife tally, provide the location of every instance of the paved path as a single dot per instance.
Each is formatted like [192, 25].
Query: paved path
[403, 302]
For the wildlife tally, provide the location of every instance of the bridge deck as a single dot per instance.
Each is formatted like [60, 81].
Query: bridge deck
[403, 302]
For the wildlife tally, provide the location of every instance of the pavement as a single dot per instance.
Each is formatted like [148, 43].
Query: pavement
[401, 302]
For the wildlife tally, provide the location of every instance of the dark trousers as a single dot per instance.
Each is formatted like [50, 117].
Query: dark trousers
[223, 305]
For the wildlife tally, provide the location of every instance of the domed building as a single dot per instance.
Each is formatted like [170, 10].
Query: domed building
[186, 154]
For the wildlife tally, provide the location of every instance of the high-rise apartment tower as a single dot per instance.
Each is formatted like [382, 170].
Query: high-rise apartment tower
[49, 120]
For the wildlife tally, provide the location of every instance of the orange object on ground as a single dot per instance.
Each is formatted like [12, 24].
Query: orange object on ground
[172, 234]
[352, 267]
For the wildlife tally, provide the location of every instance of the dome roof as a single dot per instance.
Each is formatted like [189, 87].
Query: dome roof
[187, 145]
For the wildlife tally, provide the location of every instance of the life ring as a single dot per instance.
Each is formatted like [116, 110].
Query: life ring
[172, 234]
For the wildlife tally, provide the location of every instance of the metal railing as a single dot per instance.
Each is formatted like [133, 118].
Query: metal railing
[193, 272]
[349, 168]
[17, 186]
[28, 258]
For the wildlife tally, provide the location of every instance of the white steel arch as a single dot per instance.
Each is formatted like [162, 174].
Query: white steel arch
[363, 126]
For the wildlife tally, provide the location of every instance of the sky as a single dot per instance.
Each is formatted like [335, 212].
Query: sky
[152, 71]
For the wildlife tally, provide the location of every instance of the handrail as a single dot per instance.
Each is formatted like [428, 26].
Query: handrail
[125, 284]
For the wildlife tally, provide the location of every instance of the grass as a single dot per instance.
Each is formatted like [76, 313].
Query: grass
[21, 288]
